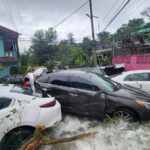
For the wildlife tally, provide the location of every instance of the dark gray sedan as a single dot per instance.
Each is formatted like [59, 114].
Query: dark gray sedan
[96, 96]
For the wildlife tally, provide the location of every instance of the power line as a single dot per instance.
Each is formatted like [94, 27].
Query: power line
[20, 18]
[30, 40]
[107, 14]
[131, 10]
[116, 15]
[66, 18]
[9, 11]
[122, 16]
[136, 8]
[115, 11]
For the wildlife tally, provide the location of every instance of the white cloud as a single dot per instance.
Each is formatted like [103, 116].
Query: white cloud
[30, 15]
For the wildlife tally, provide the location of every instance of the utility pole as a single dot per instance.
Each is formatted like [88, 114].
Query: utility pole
[93, 35]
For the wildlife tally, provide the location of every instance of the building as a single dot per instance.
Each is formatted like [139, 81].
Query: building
[9, 51]
[133, 51]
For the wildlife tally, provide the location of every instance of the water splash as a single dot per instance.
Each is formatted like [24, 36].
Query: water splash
[116, 135]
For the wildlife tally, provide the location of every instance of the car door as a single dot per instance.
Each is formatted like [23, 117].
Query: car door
[139, 80]
[84, 98]
[58, 87]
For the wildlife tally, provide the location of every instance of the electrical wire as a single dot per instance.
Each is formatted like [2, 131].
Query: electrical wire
[66, 18]
[114, 12]
[130, 10]
[109, 11]
[9, 11]
[121, 18]
[136, 8]
[116, 15]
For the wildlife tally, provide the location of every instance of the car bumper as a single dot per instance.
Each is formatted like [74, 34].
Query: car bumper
[144, 114]
[50, 117]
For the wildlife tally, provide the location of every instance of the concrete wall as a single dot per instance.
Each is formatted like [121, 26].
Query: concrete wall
[1, 46]
[6, 69]
[134, 62]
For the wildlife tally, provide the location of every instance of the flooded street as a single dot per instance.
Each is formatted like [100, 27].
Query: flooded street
[113, 135]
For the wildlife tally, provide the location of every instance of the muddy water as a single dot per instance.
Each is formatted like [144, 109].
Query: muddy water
[113, 135]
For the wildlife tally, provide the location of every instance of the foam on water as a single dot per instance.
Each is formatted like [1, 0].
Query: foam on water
[115, 135]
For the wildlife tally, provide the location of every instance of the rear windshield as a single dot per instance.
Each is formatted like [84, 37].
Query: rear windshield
[4, 102]
[18, 89]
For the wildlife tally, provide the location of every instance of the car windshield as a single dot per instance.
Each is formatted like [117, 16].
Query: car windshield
[103, 81]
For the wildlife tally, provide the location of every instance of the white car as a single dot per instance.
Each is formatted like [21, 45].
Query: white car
[36, 73]
[20, 114]
[31, 76]
[137, 78]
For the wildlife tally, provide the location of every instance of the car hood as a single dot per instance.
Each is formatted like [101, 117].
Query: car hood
[129, 92]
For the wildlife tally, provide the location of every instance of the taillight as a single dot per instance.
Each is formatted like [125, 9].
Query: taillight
[26, 84]
[49, 104]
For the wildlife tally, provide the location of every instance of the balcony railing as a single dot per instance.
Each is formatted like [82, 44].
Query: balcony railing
[11, 54]
[8, 59]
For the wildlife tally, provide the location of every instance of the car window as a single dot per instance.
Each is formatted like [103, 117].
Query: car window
[77, 82]
[102, 81]
[138, 77]
[62, 80]
[4, 102]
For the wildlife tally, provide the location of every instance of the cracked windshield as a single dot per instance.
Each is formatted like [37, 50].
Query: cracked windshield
[75, 75]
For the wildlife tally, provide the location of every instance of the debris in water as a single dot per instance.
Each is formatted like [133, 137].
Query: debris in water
[40, 139]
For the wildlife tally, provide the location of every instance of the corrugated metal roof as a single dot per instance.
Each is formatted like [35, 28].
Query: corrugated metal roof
[8, 31]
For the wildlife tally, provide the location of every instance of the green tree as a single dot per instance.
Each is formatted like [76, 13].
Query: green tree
[25, 58]
[146, 12]
[71, 39]
[126, 29]
[105, 39]
[43, 46]
[106, 60]
[86, 44]
[77, 56]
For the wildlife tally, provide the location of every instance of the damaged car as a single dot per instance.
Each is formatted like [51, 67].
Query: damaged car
[93, 95]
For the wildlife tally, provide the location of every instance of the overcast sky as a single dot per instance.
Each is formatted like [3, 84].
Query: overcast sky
[26, 16]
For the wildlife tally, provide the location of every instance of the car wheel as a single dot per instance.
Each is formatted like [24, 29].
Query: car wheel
[125, 114]
[15, 139]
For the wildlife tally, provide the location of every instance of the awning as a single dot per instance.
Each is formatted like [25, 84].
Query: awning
[141, 31]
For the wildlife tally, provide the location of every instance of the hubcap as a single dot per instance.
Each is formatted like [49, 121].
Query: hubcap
[124, 115]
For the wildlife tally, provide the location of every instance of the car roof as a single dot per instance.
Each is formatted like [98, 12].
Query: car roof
[6, 87]
[70, 72]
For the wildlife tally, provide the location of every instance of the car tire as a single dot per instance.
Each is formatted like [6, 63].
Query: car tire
[125, 114]
[14, 139]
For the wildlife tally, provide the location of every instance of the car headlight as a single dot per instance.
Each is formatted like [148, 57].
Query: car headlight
[141, 103]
